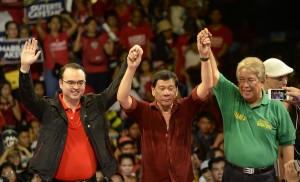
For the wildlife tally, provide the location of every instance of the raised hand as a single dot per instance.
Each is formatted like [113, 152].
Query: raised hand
[134, 57]
[203, 42]
[29, 55]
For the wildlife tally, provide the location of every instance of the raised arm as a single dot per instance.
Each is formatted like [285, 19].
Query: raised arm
[214, 67]
[133, 60]
[203, 43]
[29, 55]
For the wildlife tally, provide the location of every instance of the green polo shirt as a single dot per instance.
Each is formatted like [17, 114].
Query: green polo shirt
[252, 135]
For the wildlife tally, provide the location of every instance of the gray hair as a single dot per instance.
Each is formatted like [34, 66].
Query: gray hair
[253, 64]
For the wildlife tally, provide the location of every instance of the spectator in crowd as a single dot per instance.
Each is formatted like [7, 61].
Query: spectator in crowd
[11, 32]
[24, 31]
[123, 9]
[252, 120]
[132, 130]
[161, 122]
[277, 73]
[55, 45]
[203, 136]
[205, 172]
[95, 47]
[216, 165]
[137, 32]
[164, 43]
[58, 154]
[34, 132]
[126, 145]
[10, 114]
[81, 10]
[8, 170]
[13, 155]
[144, 76]
[112, 32]
[126, 164]
[222, 38]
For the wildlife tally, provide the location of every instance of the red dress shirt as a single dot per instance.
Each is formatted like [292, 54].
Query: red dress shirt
[166, 154]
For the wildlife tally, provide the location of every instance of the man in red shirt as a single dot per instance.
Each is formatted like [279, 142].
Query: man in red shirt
[166, 123]
[74, 134]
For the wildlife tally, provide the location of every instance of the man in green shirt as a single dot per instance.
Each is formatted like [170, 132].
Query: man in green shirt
[254, 126]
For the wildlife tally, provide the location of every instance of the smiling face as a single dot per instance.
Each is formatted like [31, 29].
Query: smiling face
[72, 93]
[165, 92]
[250, 86]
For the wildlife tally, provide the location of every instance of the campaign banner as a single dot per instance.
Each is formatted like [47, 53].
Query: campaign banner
[10, 51]
[44, 9]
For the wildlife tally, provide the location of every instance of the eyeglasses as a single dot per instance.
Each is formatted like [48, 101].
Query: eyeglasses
[7, 173]
[72, 83]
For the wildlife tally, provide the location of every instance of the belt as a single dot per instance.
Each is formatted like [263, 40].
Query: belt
[251, 170]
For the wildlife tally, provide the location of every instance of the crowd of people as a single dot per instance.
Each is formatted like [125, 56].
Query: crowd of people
[149, 89]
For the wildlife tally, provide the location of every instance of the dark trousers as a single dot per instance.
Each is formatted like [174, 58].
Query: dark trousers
[232, 175]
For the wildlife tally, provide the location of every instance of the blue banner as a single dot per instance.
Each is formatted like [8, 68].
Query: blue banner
[10, 51]
[44, 9]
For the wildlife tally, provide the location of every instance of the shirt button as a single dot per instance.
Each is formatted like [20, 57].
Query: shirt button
[166, 135]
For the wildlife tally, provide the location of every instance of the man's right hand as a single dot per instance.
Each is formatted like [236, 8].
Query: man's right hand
[134, 57]
[28, 55]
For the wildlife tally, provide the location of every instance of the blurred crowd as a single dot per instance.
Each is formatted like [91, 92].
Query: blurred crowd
[98, 36]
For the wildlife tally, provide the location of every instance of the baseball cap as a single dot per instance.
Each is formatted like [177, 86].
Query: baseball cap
[204, 165]
[276, 68]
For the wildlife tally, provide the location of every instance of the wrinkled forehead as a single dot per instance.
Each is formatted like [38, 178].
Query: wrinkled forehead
[247, 73]
[165, 83]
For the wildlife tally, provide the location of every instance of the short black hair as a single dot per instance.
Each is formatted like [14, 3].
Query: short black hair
[21, 128]
[89, 19]
[10, 22]
[126, 156]
[164, 75]
[110, 13]
[49, 19]
[122, 144]
[70, 65]
[215, 160]
[8, 164]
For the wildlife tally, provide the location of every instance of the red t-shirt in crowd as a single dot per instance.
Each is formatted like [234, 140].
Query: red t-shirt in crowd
[93, 56]
[140, 35]
[56, 50]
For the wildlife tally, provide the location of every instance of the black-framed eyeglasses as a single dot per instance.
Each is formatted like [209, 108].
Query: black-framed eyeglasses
[72, 83]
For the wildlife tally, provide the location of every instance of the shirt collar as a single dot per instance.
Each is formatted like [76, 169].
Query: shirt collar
[60, 96]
